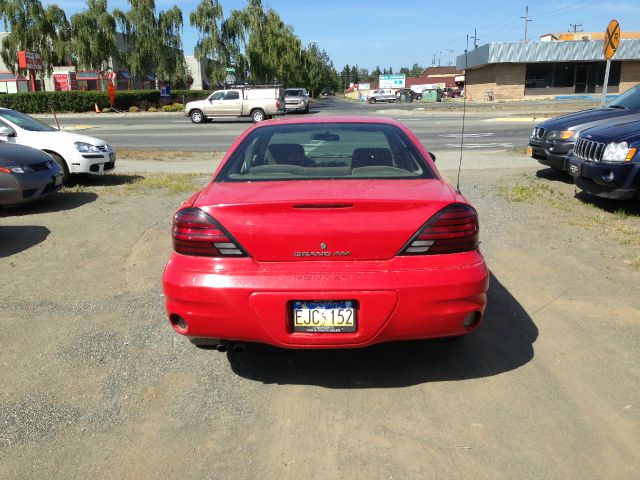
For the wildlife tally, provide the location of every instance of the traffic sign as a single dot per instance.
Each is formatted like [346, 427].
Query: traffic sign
[230, 70]
[611, 39]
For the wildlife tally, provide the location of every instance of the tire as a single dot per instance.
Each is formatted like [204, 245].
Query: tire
[66, 176]
[257, 115]
[372, 101]
[197, 116]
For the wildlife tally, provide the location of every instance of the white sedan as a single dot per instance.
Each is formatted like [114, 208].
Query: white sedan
[74, 153]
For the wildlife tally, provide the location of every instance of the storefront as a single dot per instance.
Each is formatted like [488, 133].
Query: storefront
[511, 71]
[12, 83]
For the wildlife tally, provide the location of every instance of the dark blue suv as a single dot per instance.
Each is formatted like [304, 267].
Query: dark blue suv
[606, 160]
[551, 140]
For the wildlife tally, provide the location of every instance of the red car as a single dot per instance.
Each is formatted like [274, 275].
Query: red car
[331, 232]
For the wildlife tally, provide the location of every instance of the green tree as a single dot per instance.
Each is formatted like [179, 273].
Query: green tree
[346, 76]
[405, 70]
[207, 19]
[416, 70]
[355, 77]
[31, 27]
[93, 39]
[153, 42]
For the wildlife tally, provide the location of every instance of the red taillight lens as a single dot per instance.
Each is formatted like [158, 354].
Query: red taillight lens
[453, 229]
[278, 104]
[196, 233]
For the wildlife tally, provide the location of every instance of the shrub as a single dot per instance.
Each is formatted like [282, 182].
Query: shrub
[152, 109]
[134, 109]
[172, 108]
[81, 101]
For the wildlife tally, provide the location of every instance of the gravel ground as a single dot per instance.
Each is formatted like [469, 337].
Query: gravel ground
[93, 381]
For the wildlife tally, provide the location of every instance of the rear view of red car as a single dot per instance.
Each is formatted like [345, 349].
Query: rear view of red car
[332, 232]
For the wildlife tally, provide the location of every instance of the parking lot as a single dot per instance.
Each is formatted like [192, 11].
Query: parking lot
[95, 383]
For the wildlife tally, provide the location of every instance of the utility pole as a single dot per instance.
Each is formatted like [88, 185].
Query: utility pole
[475, 38]
[449, 51]
[575, 26]
[526, 22]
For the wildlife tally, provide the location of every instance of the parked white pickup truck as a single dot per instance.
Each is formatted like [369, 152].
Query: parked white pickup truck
[259, 103]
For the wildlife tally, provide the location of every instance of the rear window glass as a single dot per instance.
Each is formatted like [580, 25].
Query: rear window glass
[325, 150]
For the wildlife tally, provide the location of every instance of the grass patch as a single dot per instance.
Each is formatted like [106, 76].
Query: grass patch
[527, 193]
[517, 150]
[172, 182]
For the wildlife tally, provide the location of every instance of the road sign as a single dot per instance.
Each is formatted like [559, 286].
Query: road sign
[611, 39]
[230, 70]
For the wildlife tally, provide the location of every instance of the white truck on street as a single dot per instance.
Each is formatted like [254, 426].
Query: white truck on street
[257, 102]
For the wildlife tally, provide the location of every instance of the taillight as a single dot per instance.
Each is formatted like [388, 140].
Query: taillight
[196, 233]
[278, 104]
[453, 229]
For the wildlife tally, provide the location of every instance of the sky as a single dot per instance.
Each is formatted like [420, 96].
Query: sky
[399, 33]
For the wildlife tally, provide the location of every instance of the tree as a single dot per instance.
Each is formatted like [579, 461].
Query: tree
[377, 72]
[207, 19]
[346, 76]
[154, 43]
[404, 70]
[93, 39]
[33, 28]
[416, 70]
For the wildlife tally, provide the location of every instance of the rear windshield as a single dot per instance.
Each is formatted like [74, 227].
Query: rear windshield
[325, 150]
[294, 93]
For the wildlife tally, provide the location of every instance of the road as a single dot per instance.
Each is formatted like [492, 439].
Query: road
[439, 131]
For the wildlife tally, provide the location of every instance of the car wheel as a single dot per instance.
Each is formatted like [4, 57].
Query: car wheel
[197, 116]
[257, 115]
[372, 101]
[66, 176]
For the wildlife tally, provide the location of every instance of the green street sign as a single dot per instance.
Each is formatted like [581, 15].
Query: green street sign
[230, 69]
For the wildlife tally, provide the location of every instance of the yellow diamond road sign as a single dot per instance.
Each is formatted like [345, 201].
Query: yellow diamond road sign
[611, 39]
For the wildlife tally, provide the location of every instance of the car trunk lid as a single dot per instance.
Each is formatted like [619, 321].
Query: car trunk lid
[324, 220]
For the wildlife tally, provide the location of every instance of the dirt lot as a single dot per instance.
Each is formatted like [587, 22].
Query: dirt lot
[93, 382]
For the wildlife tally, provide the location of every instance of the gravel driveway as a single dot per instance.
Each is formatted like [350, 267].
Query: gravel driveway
[94, 383]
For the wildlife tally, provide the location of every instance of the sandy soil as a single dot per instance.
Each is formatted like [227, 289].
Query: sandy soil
[94, 383]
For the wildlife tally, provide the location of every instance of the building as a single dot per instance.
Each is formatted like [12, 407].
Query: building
[513, 71]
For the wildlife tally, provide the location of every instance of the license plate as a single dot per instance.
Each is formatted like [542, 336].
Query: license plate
[573, 168]
[529, 151]
[324, 316]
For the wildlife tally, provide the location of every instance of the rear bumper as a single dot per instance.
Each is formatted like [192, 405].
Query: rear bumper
[396, 299]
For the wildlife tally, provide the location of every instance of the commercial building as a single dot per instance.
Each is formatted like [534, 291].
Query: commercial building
[557, 65]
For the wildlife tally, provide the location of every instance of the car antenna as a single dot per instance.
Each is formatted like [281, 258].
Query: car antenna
[464, 112]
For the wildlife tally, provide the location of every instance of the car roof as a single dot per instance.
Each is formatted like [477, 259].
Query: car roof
[331, 119]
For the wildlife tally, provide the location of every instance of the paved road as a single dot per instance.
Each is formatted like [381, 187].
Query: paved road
[439, 131]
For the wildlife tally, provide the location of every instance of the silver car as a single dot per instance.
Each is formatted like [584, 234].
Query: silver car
[26, 174]
[296, 100]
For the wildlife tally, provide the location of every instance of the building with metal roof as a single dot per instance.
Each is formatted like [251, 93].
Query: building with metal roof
[512, 71]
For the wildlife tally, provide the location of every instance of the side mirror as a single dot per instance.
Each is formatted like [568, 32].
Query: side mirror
[7, 132]
[433, 157]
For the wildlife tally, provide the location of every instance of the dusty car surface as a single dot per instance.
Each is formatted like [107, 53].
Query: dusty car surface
[74, 153]
[26, 174]
[332, 232]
